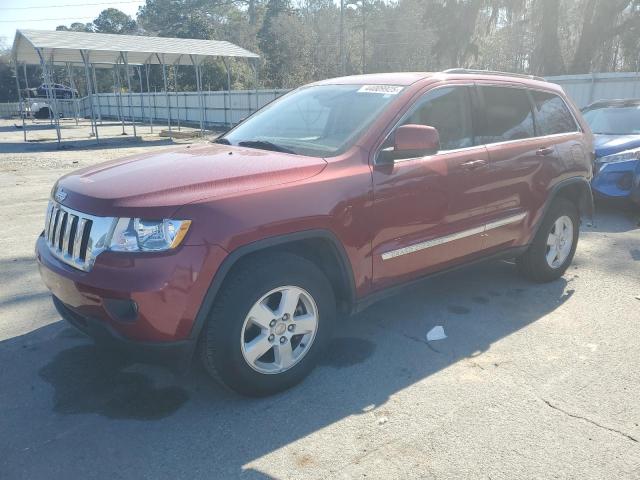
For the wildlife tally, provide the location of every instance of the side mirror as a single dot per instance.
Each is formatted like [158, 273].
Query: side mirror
[412, 141]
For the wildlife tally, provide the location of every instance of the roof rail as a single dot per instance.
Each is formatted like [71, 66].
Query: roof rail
[493, 72]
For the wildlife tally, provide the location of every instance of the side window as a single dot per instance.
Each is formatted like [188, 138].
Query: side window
[506, 115]
[552, 114]
[447, 110]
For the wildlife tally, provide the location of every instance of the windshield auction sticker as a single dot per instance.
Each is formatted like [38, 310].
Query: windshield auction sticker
[383, 89]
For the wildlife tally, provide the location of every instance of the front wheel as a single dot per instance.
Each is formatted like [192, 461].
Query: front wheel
[554, 246]
[270, 321]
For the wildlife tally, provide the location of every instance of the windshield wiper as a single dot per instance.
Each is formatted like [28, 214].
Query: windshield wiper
[222, 141]
[265, 145]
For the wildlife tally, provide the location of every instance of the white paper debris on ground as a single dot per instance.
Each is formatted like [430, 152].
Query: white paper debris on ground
[436, 333]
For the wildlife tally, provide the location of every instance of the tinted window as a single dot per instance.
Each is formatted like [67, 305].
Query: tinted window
[506, 115]
[552, 114]
[447, 110]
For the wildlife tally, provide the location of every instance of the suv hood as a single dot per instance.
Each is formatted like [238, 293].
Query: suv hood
[611, 144]
[157, 184]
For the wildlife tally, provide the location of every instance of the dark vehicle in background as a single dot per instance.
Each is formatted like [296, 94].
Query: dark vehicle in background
[616, 126]
[56, 90]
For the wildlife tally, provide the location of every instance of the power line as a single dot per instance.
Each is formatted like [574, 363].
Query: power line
[63, 19]
[72, 5]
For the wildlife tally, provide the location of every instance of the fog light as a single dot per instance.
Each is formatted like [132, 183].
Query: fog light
[625, 181]
[121, 310]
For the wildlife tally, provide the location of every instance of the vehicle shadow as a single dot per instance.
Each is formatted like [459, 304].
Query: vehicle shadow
[62, 395]
[17, 126]
[615, 217]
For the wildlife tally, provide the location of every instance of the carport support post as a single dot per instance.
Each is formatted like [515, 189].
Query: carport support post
[176, 70]
[74, 97]
[196, 66]
[95, 89]
[49, 82]
[49, 99]
[141, 95]
[94, 126]
[54, 95]
[227, 121]
[166, 90]
[119, 87]
[116, 83]
[26, 85]
[254, 67]
[20, 101]
[126, 69]
[146, 69]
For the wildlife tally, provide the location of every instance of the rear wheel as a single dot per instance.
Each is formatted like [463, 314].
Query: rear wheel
[554, 246]
[268, 325]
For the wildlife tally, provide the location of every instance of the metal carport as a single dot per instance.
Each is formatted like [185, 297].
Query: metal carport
[97, 50]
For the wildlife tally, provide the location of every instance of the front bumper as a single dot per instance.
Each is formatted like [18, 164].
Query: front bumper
[140, 301]
[615, 180]
[174, 355]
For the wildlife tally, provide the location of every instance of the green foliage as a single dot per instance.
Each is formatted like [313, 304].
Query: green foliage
[113, 20]
[299, 40]
[76, 27]
[8, 92]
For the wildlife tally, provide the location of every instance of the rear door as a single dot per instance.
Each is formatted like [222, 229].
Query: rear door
[556, 126]
[516, 158]
[428, 211]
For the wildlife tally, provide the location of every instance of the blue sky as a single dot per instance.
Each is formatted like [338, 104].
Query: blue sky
[48, 14]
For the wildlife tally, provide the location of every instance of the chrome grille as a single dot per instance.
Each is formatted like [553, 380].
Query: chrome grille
[76, 238]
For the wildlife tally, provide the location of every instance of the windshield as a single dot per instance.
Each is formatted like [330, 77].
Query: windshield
[320, 121]
[614, 120]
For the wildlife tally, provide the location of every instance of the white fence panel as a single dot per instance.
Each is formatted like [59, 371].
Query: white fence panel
[586, 89]
[220, 108]
[9, 109]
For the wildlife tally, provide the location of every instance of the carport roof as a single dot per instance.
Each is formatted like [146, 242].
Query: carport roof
[62, 47]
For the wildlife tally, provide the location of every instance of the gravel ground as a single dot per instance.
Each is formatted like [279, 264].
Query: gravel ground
[532, 381]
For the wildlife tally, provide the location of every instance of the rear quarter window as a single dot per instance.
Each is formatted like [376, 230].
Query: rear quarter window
[506, 115]
[552, 114]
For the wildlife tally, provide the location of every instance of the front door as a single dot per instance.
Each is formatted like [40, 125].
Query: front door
[429, 211]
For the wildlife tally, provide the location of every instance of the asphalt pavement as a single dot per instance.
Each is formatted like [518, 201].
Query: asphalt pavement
[531, 381]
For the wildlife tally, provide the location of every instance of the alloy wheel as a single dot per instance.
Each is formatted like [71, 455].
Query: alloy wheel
[559, 242]
[279, 329]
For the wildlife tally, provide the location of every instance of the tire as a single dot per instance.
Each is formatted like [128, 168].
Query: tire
[43, 113]
[534, 264]
[225, 345]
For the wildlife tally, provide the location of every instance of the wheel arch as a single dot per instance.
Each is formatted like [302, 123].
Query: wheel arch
[575, 189]
[578, 190]
[320, 246]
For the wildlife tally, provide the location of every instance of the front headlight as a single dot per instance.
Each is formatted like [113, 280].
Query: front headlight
[625, 156]
[143, 235]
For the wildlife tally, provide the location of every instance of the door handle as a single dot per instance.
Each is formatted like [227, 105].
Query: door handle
[474, 164]
[545, 152]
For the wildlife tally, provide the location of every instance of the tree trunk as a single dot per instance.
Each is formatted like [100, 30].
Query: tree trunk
[547, 57]
[598, 27]
[584, 51]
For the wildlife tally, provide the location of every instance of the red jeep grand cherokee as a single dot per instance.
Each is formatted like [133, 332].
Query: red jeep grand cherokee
[245, 251]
